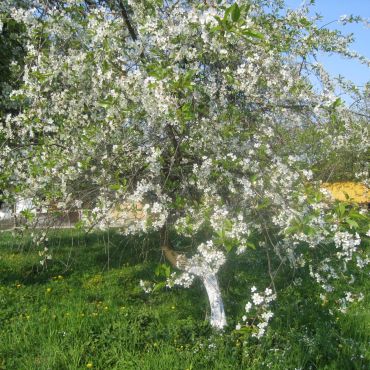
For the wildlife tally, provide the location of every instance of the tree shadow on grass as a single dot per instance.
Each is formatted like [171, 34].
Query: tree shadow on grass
[73, 251]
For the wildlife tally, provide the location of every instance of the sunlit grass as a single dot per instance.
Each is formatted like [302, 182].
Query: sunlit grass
[86, 310]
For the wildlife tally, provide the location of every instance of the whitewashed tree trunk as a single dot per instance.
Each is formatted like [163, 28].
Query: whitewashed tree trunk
[209, 279]
[218, 317]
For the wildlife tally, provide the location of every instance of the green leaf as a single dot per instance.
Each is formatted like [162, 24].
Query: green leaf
[27, 214]
[79, 225]
[358, 216]
[265, 203]
[352, 223]
[41, 77]
[235, 12]
[228, 244]
[308, 230]
[252, 33]
[107, 102]
[163, 270]
[251, 245]
[167, 271]
[228, 225]
[253, 178]
[227, 12]
[244, 330]
[219, 20]
[337, 103]
[305, 22]
[159, 286]
[114, 187]
[291, 229]
[341, 209]
[157, 270]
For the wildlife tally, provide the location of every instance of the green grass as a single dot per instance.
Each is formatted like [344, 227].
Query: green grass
[86, 308]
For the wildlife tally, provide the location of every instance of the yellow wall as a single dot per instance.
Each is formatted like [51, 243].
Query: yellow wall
[357, 192]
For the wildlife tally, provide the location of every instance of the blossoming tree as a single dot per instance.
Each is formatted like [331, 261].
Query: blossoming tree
[202, 114]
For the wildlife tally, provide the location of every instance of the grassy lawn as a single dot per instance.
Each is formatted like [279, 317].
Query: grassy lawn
[87, 310]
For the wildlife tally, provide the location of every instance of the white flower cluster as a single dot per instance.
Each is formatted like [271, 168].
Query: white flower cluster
[258, 314]
[45, 255]
[348, 298]
[206, 262]
[347, 244]
[328, 270]
[185, 280]
[147, 286]
[231, 226]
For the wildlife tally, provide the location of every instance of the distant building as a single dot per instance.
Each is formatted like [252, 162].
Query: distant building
[11, 216]
[8, 211]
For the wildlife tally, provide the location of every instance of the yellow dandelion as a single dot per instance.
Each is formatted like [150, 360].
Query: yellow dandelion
[89, 365]
[48, 290]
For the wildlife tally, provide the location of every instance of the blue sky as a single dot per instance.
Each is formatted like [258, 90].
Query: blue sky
[332, 10]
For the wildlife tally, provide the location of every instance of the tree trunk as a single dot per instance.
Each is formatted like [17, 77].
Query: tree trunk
[218, 317]
[210, 281]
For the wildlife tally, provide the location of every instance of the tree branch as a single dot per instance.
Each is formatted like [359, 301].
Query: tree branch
[126, 18]
[175, 259]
